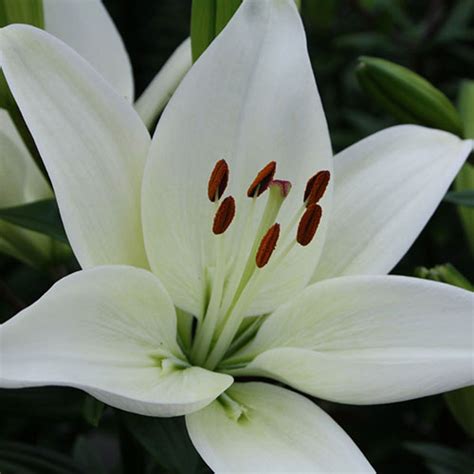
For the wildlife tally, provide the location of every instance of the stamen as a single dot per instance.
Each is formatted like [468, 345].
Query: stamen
[277, 193]
[316, 187]
[262, 180]
[218, 181]
[308, 225]
[224, 215]
[267, 245]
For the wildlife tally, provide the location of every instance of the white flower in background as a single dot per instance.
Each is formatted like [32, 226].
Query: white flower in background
[200, 212]
[87, 27]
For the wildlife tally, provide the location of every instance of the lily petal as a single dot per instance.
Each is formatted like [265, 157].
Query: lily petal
[250, 99]
[110, 331]
[280, 431]
[87, 27]
[153, 100]
[386, 188]
[22, 182]
[366, 340]
[92, 142]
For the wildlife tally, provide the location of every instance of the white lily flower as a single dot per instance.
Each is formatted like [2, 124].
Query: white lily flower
[208, 253]
[87, 27]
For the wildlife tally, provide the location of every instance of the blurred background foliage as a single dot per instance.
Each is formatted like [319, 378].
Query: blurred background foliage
[59, 430]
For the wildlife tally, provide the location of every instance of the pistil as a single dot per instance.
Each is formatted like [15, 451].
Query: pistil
[231, 297]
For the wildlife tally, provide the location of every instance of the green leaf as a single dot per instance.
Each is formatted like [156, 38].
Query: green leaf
[465, 182]
[203, 26]
[462, 198]
[465, 179]
[22, 11]
[208, 19]
[40, 216]
[225, 10]
[456, 25]
[442, 460]
[466, 107]
[406, 95]
[16, 458]
[167, 441]
[92, 410]
[320, 14]
[461, 404]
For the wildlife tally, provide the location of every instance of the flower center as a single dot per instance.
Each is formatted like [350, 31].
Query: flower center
[226, 325]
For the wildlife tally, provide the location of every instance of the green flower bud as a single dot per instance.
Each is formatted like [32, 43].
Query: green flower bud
[21, 11]
[406, 95]
[446, 273]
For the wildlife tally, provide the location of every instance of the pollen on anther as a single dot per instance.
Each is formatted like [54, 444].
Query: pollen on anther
[309, 224]
[224, 215]
[262, 180]
[267, 245]
[316, 187]
[218, 181]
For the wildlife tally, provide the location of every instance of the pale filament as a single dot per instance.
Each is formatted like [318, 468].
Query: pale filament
[234, 288]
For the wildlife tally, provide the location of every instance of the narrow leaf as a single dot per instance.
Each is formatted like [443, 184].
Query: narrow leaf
[461, 404]
[203, 21]
[208, 19]
[26, 458]
[465, 179]
[466, 107]
[465, 182]
[462, 198]
[225, 9]
[40, 216]
[440, 459]
[167, 441]
[92, 410]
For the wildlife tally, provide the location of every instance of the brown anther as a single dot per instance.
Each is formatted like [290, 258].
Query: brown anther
[262, 180]
[218, 181]
[316, 187]
[267, 245]
[224, 215]
[283, 185]
[309, 224]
